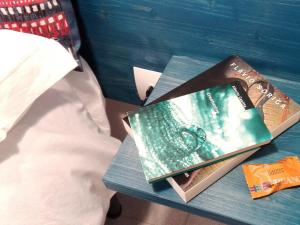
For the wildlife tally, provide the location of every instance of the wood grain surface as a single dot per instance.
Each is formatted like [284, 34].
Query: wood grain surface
[228, 200]
[119, 34]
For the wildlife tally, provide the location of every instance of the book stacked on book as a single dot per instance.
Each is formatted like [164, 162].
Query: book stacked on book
[208, 125]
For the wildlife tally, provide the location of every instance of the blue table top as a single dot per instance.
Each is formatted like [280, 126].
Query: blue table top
[228, 200]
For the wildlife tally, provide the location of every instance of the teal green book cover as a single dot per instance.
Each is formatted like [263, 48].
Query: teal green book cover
[195, 130]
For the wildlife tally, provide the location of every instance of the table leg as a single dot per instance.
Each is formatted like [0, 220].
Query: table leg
[115, 208]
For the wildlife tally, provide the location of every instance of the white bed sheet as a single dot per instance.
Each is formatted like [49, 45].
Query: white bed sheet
[52, 162]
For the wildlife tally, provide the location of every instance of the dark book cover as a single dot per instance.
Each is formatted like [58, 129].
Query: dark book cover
[277, 109]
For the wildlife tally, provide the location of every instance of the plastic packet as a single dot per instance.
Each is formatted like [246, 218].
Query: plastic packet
[265, 179]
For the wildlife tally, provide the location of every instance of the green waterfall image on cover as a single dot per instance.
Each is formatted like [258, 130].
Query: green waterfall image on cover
[180, 133]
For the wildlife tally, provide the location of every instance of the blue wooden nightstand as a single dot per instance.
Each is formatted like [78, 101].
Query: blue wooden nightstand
[228, 200]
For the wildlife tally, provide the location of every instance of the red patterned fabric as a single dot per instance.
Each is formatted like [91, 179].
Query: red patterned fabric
[54, 26]
[40, 17]
[14, 3]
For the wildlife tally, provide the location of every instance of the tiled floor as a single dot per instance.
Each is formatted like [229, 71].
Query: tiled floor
[140, 212]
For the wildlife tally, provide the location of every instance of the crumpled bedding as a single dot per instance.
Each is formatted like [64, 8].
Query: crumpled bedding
[53, 160]
[29, 66]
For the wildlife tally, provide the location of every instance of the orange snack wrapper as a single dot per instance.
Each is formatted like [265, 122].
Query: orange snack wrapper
[265, 179]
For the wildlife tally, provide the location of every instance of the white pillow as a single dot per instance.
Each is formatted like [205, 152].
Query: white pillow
[30, 64]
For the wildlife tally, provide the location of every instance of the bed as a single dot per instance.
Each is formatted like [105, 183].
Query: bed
[55, 153]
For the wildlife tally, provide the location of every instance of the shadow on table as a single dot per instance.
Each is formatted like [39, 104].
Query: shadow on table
[160, 185]
[265, 154]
